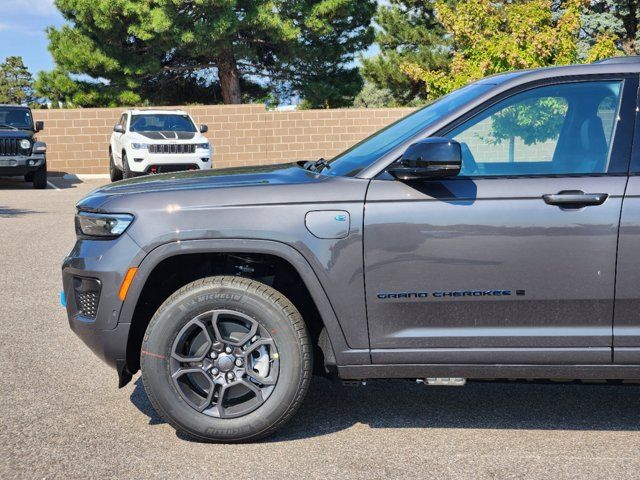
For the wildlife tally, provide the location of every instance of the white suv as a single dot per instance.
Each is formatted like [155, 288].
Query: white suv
[157, 141]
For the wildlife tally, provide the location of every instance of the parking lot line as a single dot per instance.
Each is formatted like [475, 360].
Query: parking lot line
[51, 184]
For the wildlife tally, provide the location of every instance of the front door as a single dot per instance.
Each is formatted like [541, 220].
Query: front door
[513, 261]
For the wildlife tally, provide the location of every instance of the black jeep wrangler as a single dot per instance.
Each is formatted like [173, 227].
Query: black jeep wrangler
[20, 152]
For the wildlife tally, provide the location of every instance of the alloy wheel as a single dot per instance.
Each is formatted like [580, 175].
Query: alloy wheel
[224, 363]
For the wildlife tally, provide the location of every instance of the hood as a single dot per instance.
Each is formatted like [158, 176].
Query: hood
[257, 176]
[164, 136]
[8, 133]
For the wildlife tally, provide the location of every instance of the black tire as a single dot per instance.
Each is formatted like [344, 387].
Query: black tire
[275, 317]
[126, 171]
[40, 178]
[115, 173]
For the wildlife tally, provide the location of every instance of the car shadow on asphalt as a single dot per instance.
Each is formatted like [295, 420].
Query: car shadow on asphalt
[6, 212]
[53, 183]
[330, 407]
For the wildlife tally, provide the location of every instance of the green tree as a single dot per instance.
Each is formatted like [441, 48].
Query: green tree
[489, 37]
[610, 26]
[409, 33]
[16, 83]
[373, 97]
[169, 51]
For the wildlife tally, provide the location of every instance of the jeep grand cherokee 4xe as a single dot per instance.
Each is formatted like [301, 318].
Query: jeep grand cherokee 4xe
[492, 234]
[156, 141]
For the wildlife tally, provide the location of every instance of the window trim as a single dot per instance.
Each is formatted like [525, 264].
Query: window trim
[622, 136]
[634, 164]
[615, 160]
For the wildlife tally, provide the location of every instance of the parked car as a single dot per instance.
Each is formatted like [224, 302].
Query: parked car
[496, 229]
[21, 154]
[157, 141]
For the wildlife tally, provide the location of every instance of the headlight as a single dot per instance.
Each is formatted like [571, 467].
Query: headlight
[105, 225]
[206, 146]
[139, 146]
[25, 144]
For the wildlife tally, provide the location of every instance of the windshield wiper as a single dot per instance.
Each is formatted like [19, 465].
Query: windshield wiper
[3, 125]
[316, 166]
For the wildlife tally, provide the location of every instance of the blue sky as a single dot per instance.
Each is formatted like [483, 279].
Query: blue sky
[22, 25]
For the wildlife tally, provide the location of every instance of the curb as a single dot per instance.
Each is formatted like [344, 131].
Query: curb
[86, 176]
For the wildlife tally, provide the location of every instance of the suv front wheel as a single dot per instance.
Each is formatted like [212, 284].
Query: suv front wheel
[226, 359]
[115, 173]
[40, 178]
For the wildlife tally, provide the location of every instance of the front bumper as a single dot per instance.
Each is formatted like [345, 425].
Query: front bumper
[104, 261]
[141, 161]
[21, 164]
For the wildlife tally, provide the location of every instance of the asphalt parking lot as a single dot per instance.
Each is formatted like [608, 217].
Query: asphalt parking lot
[62, 415]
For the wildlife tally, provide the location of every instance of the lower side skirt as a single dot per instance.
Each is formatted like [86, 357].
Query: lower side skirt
[578, 372]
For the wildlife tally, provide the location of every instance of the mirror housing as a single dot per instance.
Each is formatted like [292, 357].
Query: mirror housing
[204, 128]
[434, 157]
[118, 128]
[39, 126]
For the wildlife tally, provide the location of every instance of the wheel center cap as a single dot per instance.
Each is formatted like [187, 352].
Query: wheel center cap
[226, 363]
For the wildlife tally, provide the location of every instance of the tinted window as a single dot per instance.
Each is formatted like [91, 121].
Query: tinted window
[16, 118]
[161, 123]
[371, 149]
[558, 129]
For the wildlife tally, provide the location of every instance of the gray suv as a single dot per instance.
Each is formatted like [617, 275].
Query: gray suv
[492, 234]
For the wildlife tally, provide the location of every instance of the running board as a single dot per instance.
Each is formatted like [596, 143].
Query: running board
[413, 371]
[443, 381]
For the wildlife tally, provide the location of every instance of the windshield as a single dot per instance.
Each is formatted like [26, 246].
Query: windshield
[363, 154]
[161, 123]
[16, 118]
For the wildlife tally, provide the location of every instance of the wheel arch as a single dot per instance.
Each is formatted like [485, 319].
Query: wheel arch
[195, 260]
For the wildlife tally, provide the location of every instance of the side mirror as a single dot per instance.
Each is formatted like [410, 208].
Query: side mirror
[118, 128]
[204, 129]
[39, 126]
[434, 157]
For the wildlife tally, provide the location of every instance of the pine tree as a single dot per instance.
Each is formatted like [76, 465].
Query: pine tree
[172, 51]
[616, 21]
[16, 83]
[409, 32]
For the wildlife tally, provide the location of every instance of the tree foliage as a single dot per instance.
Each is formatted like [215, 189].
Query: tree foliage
[490, 37]
[16, 83]
[184, 51]
[372, 96]
[610, 27]
[409, 33]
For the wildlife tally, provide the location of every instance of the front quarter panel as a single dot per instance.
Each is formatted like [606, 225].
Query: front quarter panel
[268, 212]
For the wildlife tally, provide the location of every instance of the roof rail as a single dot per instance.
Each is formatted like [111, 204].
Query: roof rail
[624, 59]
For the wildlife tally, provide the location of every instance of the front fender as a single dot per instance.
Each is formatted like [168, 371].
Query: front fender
[344, 354]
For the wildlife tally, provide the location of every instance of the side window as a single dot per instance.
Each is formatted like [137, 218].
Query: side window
[123, 121]
[550, 130]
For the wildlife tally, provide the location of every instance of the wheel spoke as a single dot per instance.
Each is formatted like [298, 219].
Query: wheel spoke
[203, 349]
[257, 344]
[254, 388]
[207, 400]
[222, 413]
[253, 327]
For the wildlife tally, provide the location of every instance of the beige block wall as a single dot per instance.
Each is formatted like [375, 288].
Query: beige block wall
[78, 139]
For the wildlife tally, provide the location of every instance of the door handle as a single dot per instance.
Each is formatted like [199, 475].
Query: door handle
[575, 198]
